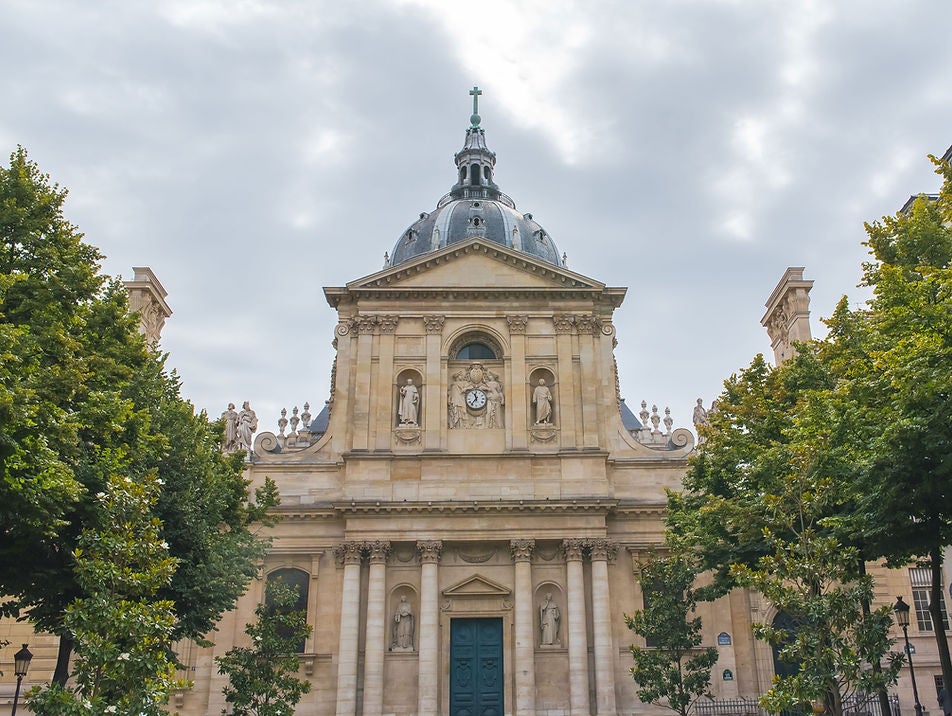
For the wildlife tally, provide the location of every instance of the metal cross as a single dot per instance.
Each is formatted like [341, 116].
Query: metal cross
[475, 92]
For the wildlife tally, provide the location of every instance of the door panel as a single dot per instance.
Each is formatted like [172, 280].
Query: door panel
[476, 669]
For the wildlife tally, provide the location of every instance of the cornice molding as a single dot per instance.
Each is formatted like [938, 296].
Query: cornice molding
[587, 505]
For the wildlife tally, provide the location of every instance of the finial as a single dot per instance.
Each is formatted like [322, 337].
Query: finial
[475, 92]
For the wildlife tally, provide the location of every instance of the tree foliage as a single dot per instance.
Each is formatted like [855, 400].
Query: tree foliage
[83, 398]
[811, 576]
[673, 670]
[857, 427]
[122, 629]
[263, 677]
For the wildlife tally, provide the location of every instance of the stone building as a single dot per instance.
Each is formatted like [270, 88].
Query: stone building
[466, 516]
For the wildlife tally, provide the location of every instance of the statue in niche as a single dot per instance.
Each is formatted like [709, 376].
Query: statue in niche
[230, 417]
[542, 399]
[402, 632]
[409, 403]
[247, 425]
[457, 401]
[549, 619]
[495, 401]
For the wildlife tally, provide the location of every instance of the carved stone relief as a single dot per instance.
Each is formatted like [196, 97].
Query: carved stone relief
[475, 398]
[434, 324]
[517, 323]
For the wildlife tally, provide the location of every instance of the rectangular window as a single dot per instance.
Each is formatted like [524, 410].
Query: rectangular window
[920, 579]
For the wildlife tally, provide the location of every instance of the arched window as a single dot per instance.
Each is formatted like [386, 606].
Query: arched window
[299, 580]
[475, 351]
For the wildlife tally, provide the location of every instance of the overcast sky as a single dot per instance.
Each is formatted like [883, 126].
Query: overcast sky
[252, 153]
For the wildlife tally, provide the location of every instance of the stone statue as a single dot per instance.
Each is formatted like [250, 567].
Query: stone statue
[457, 400]
[247, 425]
[549, 619]
[402, 636]
[230, 417]
[409, 403]
[700, 414]
[542, 398]
[495, 400]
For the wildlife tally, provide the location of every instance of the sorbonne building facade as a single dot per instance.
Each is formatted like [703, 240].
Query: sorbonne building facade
[466, 517]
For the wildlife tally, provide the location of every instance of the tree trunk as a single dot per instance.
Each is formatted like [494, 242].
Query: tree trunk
[61, 674]
[935, 611]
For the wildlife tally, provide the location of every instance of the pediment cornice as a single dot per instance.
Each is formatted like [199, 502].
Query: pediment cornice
[477, 586]
[546, 279]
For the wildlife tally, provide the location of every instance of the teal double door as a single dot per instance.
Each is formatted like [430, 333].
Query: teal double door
[476, 670]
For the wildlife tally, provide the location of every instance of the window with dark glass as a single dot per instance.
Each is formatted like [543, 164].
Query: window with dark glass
[475, 351]
[298, 579]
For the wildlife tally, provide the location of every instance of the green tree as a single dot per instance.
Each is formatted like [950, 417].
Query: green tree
[263, 677]
[82, 398]
[865, 411]
[122, 630]
[770, 502]
[673, 670]
[812, 577]
[896, 383]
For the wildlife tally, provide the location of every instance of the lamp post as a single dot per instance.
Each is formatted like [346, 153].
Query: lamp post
[21, 664]
[902, 619]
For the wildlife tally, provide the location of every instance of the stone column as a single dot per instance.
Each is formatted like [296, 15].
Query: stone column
[602, 550]
[349, 553]
[587, 330]
[517, 399]
[433, 399]
[569, 400]
[376, 641]
[429, 639]
[525, 627]
[383, 402]
[578, 641]
[366, 327]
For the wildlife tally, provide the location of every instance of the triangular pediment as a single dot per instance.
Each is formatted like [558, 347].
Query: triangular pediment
[475, 263]
[477, 586]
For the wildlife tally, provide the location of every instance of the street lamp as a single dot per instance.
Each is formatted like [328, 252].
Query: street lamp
[21, 664]
[902, 619]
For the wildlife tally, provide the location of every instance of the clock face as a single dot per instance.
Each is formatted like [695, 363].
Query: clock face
[475, 399]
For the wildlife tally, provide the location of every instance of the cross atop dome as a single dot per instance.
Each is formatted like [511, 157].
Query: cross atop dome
[474, 120]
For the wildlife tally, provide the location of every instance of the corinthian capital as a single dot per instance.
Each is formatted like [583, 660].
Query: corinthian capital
[430, 550]
[521, 549]
[574, 549]
[349, 552]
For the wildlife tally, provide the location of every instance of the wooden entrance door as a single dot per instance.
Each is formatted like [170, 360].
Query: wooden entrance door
[476, 674]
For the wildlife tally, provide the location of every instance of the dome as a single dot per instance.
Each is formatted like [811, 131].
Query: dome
[474, 207]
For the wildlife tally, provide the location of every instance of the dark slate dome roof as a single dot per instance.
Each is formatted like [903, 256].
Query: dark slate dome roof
[475, 207]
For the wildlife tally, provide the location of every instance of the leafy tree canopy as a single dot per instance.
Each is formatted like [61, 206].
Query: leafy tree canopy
[82, 398]
[674, 670]
[262, 677]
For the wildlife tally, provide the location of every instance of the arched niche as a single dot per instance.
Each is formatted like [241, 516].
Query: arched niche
[410, 381]
[403, 610]
[548, 377]
[550, 623]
